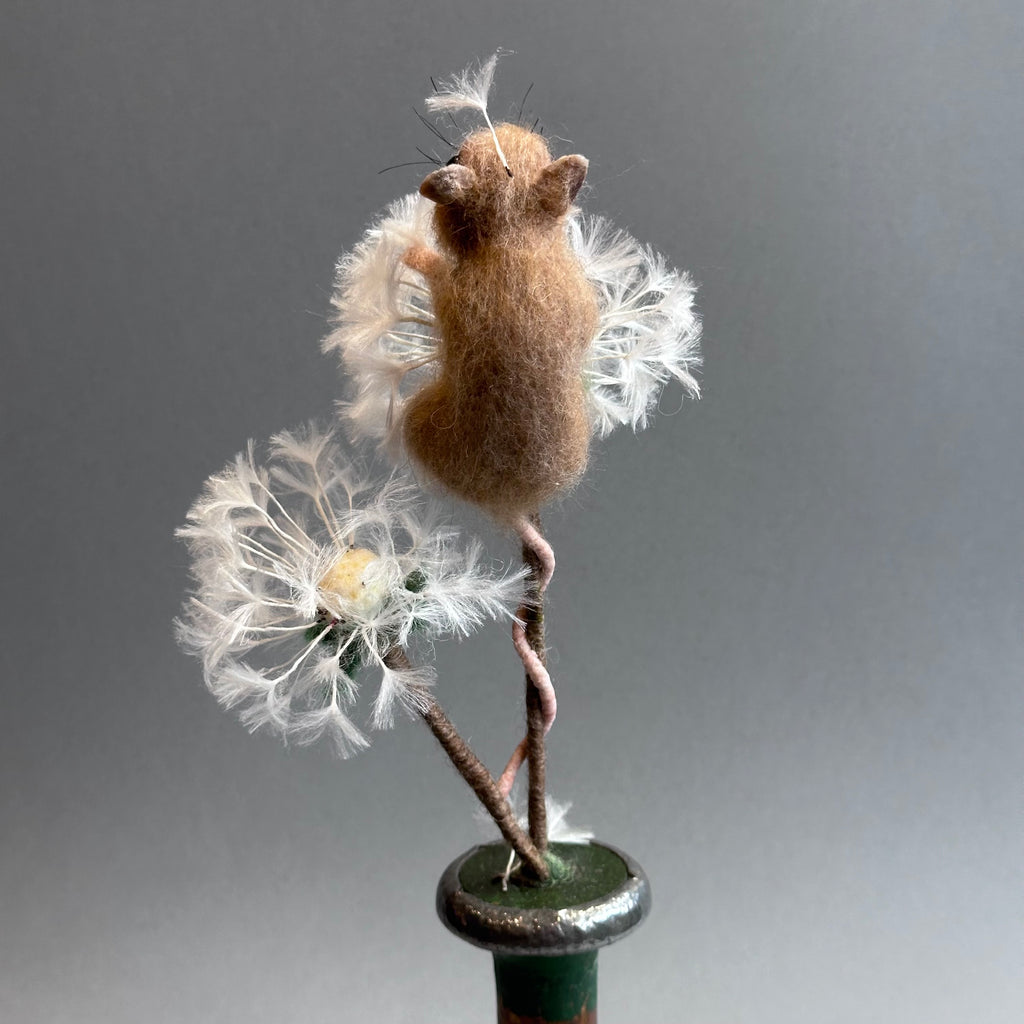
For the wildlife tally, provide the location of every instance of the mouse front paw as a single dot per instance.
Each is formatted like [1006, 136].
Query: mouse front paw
[426, 261]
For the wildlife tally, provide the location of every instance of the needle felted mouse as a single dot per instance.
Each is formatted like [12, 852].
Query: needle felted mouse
[488, 329]
[504, 423]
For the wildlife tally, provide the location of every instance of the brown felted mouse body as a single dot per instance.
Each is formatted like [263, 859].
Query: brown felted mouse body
[504, 422]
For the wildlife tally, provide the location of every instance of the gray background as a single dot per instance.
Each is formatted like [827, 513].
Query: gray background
[786, 627]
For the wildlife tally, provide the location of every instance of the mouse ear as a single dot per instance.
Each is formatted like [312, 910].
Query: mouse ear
[448, 184]
[557, 184]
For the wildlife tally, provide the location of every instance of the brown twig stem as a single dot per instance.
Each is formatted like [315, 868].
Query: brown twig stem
[473, 770]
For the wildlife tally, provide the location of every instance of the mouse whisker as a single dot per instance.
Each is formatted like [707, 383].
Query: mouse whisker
[451, 116]
[433, 129]
[433, 159]
[408, 163]
[522, 103]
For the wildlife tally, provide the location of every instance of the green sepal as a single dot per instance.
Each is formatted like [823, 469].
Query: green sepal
[352, 658]
[416, 581]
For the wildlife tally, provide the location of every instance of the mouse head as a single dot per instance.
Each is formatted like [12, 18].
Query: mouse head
[481, 200]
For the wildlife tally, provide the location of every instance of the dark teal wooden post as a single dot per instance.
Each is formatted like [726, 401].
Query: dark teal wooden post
[545, 938]
[546, 988]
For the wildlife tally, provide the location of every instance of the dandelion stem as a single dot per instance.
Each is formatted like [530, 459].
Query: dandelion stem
[537, 674]
[541, 564]
[541, 705]
[473, 770]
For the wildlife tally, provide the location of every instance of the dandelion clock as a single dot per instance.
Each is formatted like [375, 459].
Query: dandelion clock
[311, 578]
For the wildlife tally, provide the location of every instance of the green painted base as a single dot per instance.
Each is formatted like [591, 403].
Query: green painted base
[580, 873]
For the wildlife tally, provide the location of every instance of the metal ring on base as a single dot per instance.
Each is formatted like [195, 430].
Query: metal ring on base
[543, 931]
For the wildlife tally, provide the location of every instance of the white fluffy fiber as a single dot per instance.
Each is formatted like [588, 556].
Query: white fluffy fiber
[559, 828]
[468, 90]
[648, 333]
[263, 536]
[385, 333]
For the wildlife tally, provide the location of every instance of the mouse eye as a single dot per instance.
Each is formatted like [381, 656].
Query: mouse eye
[454, 160]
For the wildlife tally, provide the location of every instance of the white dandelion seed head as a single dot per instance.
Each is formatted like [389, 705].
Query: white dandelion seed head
[385, 333]
[648, 331]
[307, 576]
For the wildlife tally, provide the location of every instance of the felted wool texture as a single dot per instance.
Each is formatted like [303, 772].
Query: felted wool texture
[504, 422]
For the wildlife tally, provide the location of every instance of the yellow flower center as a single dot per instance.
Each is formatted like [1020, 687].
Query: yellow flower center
[347, 579]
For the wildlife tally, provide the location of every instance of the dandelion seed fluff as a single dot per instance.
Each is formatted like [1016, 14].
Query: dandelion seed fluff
[648, 333]
[307, 576]
[556, 811]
